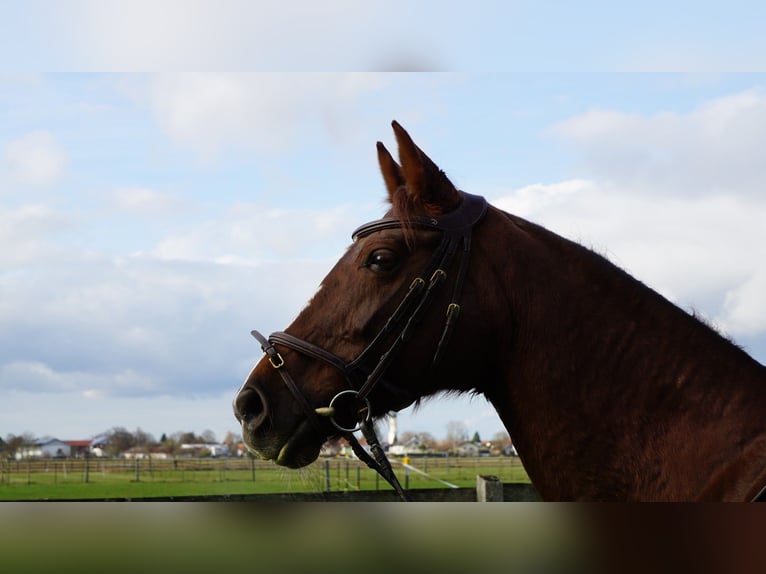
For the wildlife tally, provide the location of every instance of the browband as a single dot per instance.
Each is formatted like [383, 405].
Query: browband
[467, 215]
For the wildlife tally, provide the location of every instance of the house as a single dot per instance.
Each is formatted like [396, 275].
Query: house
[142, 453]
[472, 449]
[136, 452]
[79, 448]
[205, 449]
[467, 449]
[98, 445]
[414, 446]
[45, 448]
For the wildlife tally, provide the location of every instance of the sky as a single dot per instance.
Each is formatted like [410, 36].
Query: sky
[337, 35]
[148, 222]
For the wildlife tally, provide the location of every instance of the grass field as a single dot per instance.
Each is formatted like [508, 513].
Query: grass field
[116, 478]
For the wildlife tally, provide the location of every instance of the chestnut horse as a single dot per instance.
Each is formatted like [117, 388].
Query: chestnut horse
[609, 391]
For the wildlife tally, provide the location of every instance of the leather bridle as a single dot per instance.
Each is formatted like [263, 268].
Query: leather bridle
[456, 227]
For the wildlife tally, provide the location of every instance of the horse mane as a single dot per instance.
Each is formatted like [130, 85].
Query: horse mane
[406, 207]
[605, 265]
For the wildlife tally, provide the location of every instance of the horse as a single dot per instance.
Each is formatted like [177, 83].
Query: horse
[609, 391]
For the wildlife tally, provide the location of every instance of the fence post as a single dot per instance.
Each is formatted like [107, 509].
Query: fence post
[327, 475]
[252, 466]
[489, 488]
[137, 463]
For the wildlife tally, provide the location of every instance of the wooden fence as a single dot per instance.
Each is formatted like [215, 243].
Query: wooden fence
[250, 479]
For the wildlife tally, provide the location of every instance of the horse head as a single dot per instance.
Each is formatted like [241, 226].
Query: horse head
[379, 334]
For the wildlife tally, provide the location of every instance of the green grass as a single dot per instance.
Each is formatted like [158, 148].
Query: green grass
[40, 480]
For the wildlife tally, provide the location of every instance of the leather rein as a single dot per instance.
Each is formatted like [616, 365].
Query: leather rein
[350, 410]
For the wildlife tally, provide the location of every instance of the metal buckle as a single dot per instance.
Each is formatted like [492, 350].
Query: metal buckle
[419, 281]
[453, 309]
[279, 363]
[439, 275]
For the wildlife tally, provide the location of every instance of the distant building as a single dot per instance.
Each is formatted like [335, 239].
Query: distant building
[98, 444]
[412, 447]
[45, 448]
[141, 453]
[197, 449]
[467, 449]
[79, 448]
[472, 449]
[392, 431]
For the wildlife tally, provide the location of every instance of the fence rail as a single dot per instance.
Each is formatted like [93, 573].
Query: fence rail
[183, 476]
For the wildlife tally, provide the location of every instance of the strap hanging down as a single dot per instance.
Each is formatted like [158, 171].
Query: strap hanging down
[378, 461]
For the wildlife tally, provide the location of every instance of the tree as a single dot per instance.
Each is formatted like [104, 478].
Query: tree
[141, 438]
[208, 437]
[187, 438]
[14, 442]
[456, 432]
[231, 439]
[476, 438]
[120, 440]
[169, 444]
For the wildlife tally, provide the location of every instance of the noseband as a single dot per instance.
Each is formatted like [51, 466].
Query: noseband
[456, 227]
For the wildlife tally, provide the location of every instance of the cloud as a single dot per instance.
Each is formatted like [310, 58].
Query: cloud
[25, 233]
[744, 307]
[213, 113]
[714, 148]
[144, 201]
[253, 233]
[37, 377]
[141, 326]
[297, 35]
[35, 159]
[173, 319]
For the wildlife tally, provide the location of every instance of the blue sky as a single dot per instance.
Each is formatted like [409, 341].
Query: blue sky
[148, 222]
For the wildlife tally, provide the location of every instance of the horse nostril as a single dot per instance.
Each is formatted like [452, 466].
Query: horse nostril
[250, 407]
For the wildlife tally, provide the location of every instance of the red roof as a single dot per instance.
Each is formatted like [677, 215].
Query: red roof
[80, 443]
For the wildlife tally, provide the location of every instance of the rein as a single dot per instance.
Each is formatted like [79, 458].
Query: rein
[456, 227]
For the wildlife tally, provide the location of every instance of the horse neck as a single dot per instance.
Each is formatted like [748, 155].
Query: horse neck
[595, 356]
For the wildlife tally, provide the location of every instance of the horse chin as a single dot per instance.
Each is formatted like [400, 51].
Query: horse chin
[297, 449]
[302, 447]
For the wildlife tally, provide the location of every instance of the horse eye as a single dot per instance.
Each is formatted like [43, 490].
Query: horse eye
[382, 261]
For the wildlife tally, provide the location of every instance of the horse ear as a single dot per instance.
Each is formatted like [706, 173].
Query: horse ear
[426, 184]
[392, 172]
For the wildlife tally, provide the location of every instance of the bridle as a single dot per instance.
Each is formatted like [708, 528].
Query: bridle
[456, 228]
